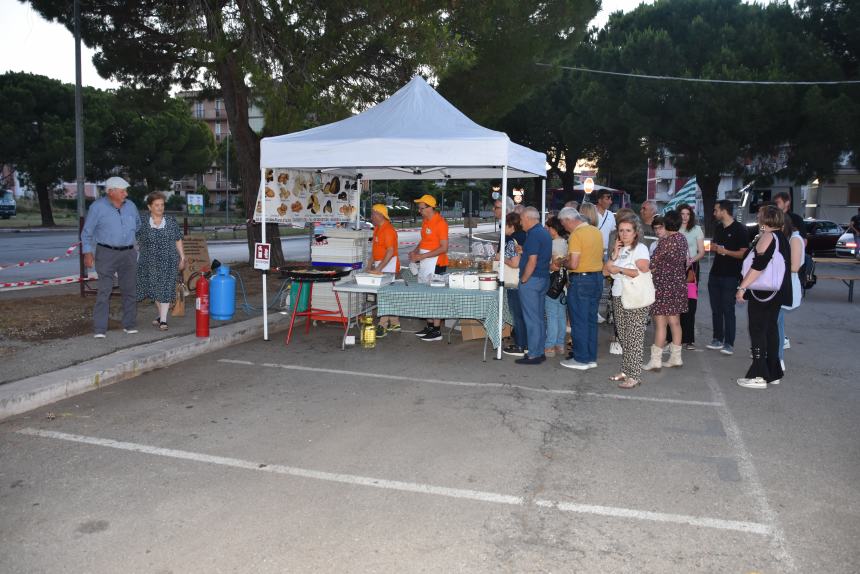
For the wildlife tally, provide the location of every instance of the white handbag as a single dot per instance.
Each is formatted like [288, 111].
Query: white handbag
[637, 292]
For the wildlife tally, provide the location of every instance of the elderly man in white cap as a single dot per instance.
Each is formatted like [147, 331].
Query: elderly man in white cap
[108, 245]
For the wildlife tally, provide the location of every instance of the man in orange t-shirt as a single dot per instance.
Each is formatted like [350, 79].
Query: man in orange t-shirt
[432, 250]
[384, 252]
[384, 259]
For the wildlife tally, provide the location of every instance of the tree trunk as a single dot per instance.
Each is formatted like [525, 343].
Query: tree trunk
[708, 184]
[247, 143]
[44, 195]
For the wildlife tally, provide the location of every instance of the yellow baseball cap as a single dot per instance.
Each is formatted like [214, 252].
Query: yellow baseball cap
[381, 210]
[428, 199]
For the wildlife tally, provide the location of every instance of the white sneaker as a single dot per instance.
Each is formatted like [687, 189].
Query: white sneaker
[592, 365]
[573, 364]
[782, 365]
[786, 343]
[776, 382]
[756, 383]
[99, 336]
[131, 331]
[615, 348]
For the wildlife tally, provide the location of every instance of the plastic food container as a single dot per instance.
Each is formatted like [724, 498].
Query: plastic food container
[488, 281]
[457, 280]
[471, 281]
[373, 280]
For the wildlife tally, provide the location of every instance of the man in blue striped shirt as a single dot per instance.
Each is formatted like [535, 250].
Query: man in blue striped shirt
[108, 244]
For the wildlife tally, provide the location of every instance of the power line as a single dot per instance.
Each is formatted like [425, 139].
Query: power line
[704, 80]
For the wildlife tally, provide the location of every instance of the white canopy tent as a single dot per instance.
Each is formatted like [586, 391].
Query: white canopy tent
[414, 134]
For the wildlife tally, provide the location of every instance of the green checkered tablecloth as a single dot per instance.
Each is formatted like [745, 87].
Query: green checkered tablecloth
[418, 300]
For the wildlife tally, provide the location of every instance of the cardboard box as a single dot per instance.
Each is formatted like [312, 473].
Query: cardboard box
[472, 329]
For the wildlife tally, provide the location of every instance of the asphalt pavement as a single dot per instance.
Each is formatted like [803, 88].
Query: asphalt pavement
[419, 457]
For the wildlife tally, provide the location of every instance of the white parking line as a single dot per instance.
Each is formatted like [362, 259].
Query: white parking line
[748, 473]
[414, 487]
[573, 392]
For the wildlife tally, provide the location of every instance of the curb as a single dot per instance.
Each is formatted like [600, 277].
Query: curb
[28, 394]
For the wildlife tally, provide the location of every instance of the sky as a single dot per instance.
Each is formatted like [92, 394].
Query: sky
[33, 44]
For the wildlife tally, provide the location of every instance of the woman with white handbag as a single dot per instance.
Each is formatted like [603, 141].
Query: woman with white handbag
[629, 266]
[767, 287]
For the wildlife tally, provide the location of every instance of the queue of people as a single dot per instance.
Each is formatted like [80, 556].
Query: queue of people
[668, 249]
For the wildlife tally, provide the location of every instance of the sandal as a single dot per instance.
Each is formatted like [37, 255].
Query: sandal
[629, 384]
[162, 325]
[618, 377]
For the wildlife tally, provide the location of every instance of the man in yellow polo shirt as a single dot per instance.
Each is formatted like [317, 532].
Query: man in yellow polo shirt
[585, 265]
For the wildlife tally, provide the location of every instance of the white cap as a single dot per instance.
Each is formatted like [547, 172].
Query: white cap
[116, 183]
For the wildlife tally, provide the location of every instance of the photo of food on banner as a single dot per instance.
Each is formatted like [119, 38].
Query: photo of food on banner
[297, 197]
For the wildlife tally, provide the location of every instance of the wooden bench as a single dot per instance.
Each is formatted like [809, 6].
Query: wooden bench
[847, 279]
[846, 265]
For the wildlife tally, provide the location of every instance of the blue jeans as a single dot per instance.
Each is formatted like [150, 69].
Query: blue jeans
[556, 322]
[532, 298]
[583, 298]
[520, 337]
[721, 292]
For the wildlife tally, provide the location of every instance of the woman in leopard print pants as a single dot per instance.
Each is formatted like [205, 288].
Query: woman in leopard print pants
[629, 258]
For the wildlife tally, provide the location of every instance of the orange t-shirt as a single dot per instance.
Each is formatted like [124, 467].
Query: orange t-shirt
[433, 232]
[385, 236]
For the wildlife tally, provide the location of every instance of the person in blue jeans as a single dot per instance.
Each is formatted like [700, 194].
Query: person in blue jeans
[585, 264]
[556, 307]
[730, 245]
[534, 281]
[511, 259]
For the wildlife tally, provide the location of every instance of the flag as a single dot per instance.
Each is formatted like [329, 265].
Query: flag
[687, 194]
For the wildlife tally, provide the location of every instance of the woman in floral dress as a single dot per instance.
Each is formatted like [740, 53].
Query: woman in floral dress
[161, 256]
[669, 272]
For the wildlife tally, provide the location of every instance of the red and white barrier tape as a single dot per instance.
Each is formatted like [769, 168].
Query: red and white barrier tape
[43, 282]
[68, 252]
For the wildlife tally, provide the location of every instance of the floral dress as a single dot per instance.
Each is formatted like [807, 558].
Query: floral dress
[158, 263]
[669, 271]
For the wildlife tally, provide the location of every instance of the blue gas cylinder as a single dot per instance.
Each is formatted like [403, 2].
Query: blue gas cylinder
[222, 295]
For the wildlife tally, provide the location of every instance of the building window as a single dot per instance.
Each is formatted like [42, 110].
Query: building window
[218, 106]
[198, 110]
[854, 194]
[217, 128]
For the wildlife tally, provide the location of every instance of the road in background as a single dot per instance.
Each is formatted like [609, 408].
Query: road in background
[30, 246]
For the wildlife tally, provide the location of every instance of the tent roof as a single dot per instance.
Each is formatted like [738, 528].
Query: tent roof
[414, 134]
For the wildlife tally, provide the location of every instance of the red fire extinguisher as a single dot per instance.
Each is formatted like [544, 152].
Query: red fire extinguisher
[202, 314]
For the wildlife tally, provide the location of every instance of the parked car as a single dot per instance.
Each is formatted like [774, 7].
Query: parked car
[8, 206]
[845, 246]
[821, 236]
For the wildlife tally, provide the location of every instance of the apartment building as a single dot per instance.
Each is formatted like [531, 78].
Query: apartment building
[212, 111]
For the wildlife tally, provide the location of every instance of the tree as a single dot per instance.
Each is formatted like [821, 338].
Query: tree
[37, 133]
[306, 62]
[708, 128]
[836, 23]
[151, 137]
[156, 139]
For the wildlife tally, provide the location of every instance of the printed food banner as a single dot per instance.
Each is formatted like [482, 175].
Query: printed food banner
[294, 196]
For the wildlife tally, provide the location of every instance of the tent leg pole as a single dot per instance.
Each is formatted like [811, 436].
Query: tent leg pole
[261, 194]
[502, 260]
[543, 201]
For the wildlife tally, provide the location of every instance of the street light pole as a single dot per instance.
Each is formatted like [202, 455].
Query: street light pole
[227, 205]
[79, 138]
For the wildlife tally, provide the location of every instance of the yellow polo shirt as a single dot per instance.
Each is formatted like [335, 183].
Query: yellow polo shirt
[588, 242]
